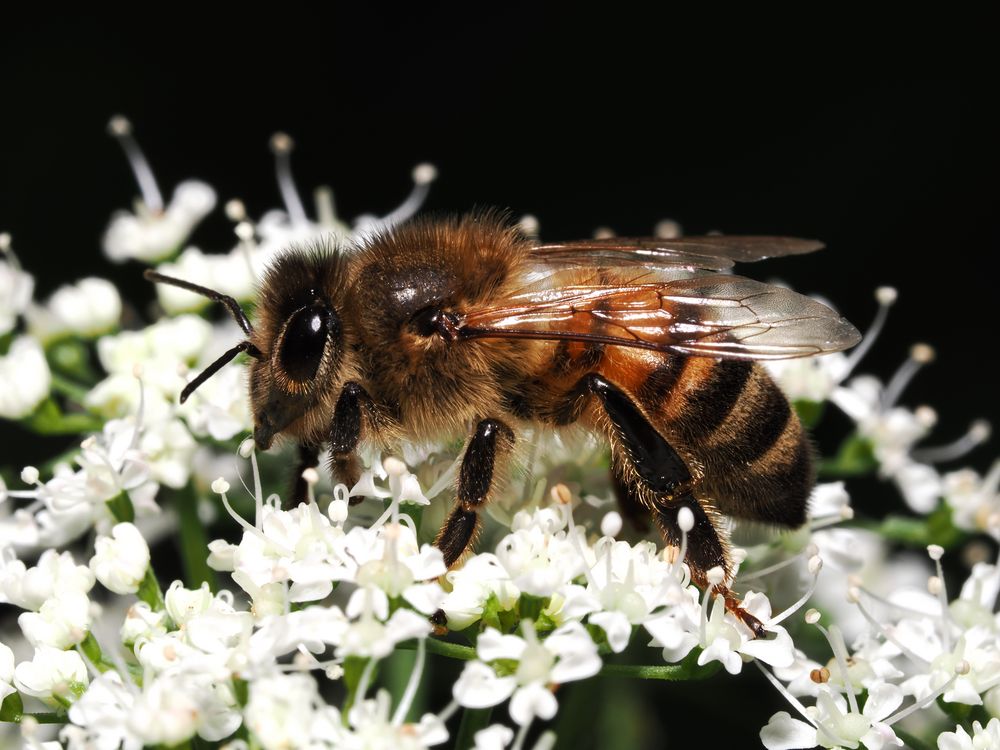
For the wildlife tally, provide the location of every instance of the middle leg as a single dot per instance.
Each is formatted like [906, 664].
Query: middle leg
[491, 442]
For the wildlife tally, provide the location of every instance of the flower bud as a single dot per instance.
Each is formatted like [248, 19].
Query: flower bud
[121, 560]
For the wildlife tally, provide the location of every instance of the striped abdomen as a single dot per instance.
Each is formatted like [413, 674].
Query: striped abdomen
[729, 416]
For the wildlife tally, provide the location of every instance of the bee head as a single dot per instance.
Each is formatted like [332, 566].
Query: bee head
[300, 333]
[297, 346]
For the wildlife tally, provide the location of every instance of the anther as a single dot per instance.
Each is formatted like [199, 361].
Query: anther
[668, 229]
[121, 129]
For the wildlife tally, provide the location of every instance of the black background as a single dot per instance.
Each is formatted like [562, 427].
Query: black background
[877, 139]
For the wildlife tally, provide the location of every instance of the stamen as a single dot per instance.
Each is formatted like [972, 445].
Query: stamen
[853, 597]
[809, 551]
[311, 477]
[962, 668]
[546, 742]
[522, 734]
[839, 648]
[236, 210]
[685, 522]
[920, 355]
[667, 229]
[448, 711]
[326, 213]
[282, 146]
[815, 566]
[886, 297]
[936, 552]
[529, 226]
[978, 433]
[575, 541]
[366, 677]
[412, 684]
[220, 486]
[121, 129]
[423, 176]
[792, 700]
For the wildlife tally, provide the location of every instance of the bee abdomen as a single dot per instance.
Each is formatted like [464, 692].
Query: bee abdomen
[731, 417]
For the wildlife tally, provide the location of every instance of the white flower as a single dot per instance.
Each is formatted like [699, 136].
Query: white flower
[87, 308]
[25, 379]
[104, 712]
[6, 672]
[982, 738]
[141, 622]
[55, 573]
[183, 604]
[61, 622]
[220, 408]
[53, 675]
[16, 288]
[151, 235]
[538, 554]
[835, 725]
[369, 637]
[809, 378]
[228, 274]
[120, 561]
[175, 706]
[568, 654]
[481, 577]
[168, 449]
[280, 710]
[974, 500]
[373, 727]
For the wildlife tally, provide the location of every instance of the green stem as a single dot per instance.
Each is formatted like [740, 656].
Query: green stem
[670, 672]
[473, 719]
[193, 540]
[685, 670]
[69, 388]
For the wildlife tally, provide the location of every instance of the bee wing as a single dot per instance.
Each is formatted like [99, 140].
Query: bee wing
[715, 315]
[712, 252]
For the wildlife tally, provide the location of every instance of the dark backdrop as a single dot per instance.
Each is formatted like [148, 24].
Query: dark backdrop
[878, 140]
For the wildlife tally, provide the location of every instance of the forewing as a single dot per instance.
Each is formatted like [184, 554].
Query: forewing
[712, 252]
[715, 315]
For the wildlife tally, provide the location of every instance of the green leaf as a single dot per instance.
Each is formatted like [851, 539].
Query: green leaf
[856, 457]
[12, 708]
[935, 528]
[92, 650]
[48, 419]
[150, 591]
[809, 412]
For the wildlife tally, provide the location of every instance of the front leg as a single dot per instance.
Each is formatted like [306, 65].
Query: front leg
[354, 415]
[490, 444]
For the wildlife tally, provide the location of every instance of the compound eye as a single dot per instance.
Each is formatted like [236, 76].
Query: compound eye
[304, 341]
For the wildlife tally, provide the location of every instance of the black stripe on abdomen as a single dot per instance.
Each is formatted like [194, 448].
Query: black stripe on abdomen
[709, 401]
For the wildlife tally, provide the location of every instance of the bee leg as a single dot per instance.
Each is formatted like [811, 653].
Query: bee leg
[308, 459]
[354, 408]
[662, 481]
[630, 504]
[491, 441]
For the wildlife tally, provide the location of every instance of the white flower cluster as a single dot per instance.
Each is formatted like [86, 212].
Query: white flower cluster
[321, 598]
[919, 646]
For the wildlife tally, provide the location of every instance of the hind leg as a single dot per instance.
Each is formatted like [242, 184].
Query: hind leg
[657, 476]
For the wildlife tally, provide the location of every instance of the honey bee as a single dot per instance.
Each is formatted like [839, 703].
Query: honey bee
[464, 326]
